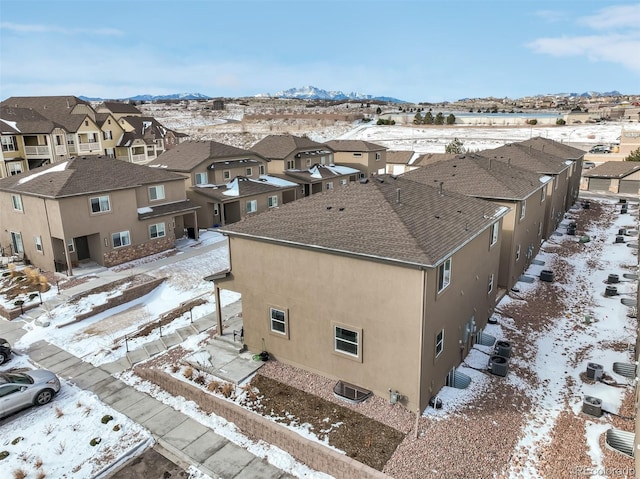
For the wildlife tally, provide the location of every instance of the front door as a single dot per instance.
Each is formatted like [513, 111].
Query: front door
[82, 248]
[16, 243]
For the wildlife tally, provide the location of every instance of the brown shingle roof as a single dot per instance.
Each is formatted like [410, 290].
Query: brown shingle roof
[555, 148]
[244, 187]
[280, 146]
[399, 157]
[613, 169]
[121, 107]
[430, 158]
[83, 175]
[321, 172]
[168, 209]
[23, 120]
[186, 156]
[354, 145]
[58, 109]
[528, 158]
[423, 228]
[474, 175]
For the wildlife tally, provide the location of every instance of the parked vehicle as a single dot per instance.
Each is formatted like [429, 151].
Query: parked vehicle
[22, 390]
[5, 350]
[600, 149]
[587, 165]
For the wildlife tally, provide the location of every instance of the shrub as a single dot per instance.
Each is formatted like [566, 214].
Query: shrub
[17, 440]
[227, 390]
[59, 412]
[95, 441]
[106, 418]
[213, 386]
[38, 463]
[561, 122]
[117, 427]
[188, 372]
[200, 379]
[3, 455]
[19, 474]
[532, 121]
[41, 475]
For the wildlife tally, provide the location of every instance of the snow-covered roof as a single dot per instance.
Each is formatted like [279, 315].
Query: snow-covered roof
[55, 169]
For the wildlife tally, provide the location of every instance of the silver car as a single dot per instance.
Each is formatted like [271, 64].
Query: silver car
[25, 389]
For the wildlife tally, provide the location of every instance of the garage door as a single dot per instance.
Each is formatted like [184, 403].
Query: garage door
[629, 186]
[599, 184]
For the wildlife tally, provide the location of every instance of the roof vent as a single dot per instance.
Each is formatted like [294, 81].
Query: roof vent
[341, 209]
[329, 207]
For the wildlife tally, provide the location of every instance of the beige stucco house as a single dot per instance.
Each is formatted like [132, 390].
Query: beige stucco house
[289, 152]
[381, 284]
[92, 208]
[615, 177]
[542, 163]
[399, 161]
[369, 158]
[228, 183]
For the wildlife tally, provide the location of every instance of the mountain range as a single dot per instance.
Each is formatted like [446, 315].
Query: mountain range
[314, 93]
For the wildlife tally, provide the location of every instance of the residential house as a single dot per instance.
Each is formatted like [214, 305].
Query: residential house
[227, 183]
[145, 139]
[572, 156]
[382, 284]
[119, 109]
[21, 130]
[289, 152]
[92, 208]
[542, 163]
[521, 191]
[369, 158]
[321, 178]
[399, 162]
[615, 177]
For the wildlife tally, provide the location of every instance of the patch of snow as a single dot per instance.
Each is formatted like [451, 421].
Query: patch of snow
[55, 169]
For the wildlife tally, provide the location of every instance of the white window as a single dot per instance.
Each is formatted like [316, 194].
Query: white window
[540, 229]
[444, 275]
[291, 164]
[439, 342]
[490, 285]
[110, 152]
[378, 156]
[157, 230]
[308, 162]
[329, 185]
[70, 139]
[16, 242]
[38, 242]
[14, 167]
[517, 252]
[346, 340]
[248, 171]
[343, 181]
[100, 204]
[16, 201]
[108, 135]
[202, 178]
[120, 239]
[495, 228]
[262, 170]
[216, 209]
[226, 174]
[156, 192]
[9, 143]
[278, 321]
[252, 206]
[523, 208]
[542, 195]
[323, 160]
[273, 201]
[71, 246]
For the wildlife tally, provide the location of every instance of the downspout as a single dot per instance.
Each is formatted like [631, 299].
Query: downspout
[421, 348]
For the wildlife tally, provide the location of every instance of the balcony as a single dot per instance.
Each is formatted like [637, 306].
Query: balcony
[90, 146]
[37, 151]
[61, 150]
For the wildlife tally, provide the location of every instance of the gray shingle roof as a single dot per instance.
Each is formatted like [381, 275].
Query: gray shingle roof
[280, 146]
[121, 107]
[246, 187]
[23, 120]
[168, 209]
[423, 228]
[528, 158]
[189, 154]
[475, 175]
[430, 158]
[83, 175]
[399, 157]
[613, 169]
[561, 150]
[320, 172]
[354, 145]
[58, 109]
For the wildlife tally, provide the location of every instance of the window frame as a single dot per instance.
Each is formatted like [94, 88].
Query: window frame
[345, 352]
[11, 168]
[226, 174]
[9, 143]
[444, 274]
[272, 201]
[251, 206]
[248, 171]
[16, 202]
[495, 232]
[491, 283]
[100, 204]
[439, 343]
[201, 178]
[158, 189]
[262, 170]
[518, 252]
[328, 185]
[164, 231]
[523, 209]
[37, 240]
[121, 234]
[291, 164]
[71, 246]
[283, 322]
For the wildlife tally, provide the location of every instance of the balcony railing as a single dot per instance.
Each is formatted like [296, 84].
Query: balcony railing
[61, 150]
[88, 146]
[37, 150]
[138, 158]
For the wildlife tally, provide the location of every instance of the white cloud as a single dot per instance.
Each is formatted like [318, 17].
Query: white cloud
[615, 17]
[30, 28]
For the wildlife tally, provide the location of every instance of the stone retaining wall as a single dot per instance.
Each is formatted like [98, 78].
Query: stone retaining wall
[308, 452]
[133, 252]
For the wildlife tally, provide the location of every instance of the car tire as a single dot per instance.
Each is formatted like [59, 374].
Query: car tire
[3, 358]
[43, 397]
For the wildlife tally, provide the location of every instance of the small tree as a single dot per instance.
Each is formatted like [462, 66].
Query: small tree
[633, 156]
[378, 110]
[451, 119]
[456, 146]
[428, 118]
[561, 122]
[439, 120]
[417, 120]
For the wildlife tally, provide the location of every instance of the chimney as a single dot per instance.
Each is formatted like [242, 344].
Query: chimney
[398, 195]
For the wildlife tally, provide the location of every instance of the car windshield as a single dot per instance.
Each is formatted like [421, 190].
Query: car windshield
[16, 378]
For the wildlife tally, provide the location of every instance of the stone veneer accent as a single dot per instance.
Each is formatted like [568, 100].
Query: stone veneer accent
[129, 253]
[311, 453]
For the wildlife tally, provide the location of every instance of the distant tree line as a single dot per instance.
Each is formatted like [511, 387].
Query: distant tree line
[429, 119]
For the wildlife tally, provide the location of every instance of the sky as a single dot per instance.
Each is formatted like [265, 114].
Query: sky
[413, 50]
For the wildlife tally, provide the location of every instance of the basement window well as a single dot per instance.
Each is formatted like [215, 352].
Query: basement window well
[350, 392]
